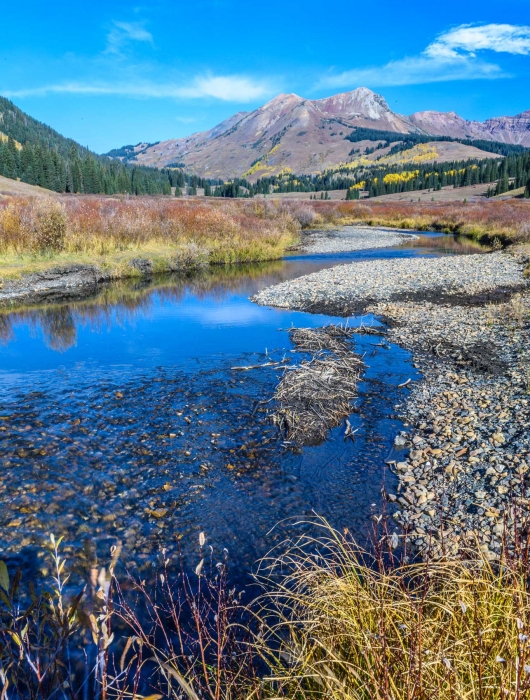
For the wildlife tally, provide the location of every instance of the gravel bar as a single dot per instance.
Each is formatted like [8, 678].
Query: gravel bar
[464, 459]
[348, 289]
[351, 238]
[465, 473]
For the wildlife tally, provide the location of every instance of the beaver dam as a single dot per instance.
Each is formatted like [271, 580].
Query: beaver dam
[316, 395]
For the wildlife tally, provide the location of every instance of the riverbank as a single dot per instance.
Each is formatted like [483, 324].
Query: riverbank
[72, 243]
[348, 289]
[465, 479]
[59, 248]
[464, 476]
[63, 277]
[349, 238]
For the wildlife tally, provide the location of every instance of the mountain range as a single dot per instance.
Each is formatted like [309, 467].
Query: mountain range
[307, 136]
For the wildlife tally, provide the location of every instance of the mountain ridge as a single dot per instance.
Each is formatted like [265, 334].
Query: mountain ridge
[300, 135]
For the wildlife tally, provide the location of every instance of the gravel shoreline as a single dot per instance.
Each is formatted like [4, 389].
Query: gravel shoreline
[466, 478]
[347, 289]
[465, 473]
[349, 238]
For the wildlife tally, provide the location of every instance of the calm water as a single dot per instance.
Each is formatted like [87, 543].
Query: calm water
[121, 418]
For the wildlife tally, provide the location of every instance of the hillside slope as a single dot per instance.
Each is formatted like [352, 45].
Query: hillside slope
[14, 188]
[24, 129]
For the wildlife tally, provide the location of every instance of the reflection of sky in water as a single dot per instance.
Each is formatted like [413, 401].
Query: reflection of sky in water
[168, 346]
[175, 322]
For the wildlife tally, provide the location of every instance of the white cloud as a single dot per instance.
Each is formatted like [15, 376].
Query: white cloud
[231, 88]
[451, 56]
[122, 33]
[468, 39]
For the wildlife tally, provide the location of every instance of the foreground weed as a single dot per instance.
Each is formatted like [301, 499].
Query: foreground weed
[333, 622]
[346, 625]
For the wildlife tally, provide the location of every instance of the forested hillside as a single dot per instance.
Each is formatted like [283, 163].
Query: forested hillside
[39, 155]
[509, 173]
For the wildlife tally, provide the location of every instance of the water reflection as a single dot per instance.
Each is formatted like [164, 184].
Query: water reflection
[121, 418]
[121, 302]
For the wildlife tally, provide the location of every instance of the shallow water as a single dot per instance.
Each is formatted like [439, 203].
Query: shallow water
[121, 418]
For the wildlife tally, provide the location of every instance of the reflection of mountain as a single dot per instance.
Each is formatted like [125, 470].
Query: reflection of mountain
[121, 301]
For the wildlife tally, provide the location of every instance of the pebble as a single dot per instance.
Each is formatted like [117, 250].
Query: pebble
[347, 288]
[465, 478]
[350, 238]
[468, 422]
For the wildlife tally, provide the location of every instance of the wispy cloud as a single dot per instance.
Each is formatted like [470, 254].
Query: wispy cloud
[467, 39]
[122, 33]
[453, 55]
[229, 88]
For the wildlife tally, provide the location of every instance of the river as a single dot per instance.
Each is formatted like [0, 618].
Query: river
[121, 418]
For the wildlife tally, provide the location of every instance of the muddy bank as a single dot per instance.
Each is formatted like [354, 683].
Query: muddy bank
[69, 282]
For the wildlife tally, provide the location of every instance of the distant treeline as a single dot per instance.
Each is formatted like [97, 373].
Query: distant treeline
[36, 154]
[406, 141]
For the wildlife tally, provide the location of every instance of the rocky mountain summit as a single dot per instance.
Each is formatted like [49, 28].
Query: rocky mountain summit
[513, 130]
[305, 136]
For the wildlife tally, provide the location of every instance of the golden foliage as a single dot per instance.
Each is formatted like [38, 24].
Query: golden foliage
[420, 153]
[394, 178]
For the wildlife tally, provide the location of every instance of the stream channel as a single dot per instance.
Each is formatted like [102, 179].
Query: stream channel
[121, 418]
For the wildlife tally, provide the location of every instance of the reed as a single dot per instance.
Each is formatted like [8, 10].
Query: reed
[333, 622]
[346, 625]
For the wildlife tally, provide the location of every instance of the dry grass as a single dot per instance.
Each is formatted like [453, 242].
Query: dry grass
[346, 626]
[333, 622]
[37, 233]
[508, 221]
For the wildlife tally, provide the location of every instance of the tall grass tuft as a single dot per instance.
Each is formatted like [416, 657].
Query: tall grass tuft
[346, 625]
[333, 622]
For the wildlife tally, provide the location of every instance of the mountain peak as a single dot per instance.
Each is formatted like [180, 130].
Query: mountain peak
[308, 136]
[283, 99]
[362, 101]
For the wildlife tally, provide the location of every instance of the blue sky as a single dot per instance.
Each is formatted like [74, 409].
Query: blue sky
[113, 73]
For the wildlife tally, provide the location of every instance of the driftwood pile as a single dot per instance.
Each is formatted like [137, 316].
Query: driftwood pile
[316, 395]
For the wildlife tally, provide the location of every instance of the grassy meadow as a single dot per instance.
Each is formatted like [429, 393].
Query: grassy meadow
[172, 234]
[112, 233]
